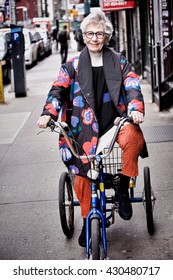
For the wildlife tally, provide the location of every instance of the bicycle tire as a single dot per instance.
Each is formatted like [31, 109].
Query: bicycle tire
[148, 201]
[95, 239]
[66, 207]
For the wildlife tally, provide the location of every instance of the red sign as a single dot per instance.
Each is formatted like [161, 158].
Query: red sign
[74, 2]
[114, 5]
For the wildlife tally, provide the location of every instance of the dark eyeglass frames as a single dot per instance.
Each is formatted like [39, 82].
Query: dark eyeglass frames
[98, 34]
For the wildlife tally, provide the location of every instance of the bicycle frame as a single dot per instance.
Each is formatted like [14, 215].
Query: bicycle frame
[98, 210]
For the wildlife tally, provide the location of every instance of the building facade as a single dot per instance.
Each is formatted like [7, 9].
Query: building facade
[143, 30]
[159, 47]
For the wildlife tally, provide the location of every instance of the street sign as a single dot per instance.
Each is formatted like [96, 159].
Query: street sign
[16, 34]
[115, 5]
[15, 37]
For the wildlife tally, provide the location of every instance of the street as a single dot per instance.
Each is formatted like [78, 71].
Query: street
[30, 167]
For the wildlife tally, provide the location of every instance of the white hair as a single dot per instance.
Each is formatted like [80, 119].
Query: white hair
[97, 17]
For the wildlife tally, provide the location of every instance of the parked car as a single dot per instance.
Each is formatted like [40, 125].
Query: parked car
[30, 48]
[46, 39]
[39, 43]
[5, 55]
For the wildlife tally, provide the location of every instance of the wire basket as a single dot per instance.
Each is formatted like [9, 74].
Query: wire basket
[113, 163]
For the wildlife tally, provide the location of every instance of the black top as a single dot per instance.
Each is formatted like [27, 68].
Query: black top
[105, 109]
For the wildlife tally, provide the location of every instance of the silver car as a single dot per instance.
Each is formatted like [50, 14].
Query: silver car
[46, 39]
[30, 48]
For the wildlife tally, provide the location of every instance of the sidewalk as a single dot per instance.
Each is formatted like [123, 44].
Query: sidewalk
[16, 111]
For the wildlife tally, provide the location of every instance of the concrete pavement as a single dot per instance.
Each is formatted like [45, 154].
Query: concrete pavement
[29, 170]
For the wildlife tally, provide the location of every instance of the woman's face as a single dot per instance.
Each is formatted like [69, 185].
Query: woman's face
[96, 41]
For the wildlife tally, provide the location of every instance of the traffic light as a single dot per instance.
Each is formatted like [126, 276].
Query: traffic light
[95, 3]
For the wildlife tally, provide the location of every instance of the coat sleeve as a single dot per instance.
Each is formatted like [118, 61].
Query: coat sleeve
[58, 94]
[132, 88]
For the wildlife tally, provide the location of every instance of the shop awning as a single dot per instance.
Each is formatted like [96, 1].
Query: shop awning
[114, 5]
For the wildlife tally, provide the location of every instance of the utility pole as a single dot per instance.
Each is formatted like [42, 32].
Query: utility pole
[66, 8]
[46, 9]
[13, 12]
[41, 3]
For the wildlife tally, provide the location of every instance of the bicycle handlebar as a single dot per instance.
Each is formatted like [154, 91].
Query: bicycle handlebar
[62, 125]
[122, 120]
[119, 122]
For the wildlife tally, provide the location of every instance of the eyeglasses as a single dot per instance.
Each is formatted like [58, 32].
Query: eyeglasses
[99, 34]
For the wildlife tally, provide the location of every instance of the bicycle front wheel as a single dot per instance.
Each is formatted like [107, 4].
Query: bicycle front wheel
[66, 207]
[95, 239]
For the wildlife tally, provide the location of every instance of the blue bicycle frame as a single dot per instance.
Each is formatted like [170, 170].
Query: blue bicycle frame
[98, 210]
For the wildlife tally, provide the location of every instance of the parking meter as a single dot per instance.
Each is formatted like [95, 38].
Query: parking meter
[17, 40]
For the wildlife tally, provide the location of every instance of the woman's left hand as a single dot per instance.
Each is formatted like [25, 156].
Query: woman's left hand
[137, 117]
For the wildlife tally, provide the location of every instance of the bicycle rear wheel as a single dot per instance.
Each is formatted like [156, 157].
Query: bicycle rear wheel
[95, 239]
[148, 200]
[66, 207]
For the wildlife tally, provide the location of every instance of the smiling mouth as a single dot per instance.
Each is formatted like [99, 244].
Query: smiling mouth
[94, 45]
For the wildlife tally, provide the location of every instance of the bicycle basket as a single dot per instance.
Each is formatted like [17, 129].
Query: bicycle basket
[113, 163]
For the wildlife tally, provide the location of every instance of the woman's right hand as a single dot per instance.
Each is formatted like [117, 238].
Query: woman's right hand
[43, 121]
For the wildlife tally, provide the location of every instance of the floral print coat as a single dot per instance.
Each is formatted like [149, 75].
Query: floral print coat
[72, 92]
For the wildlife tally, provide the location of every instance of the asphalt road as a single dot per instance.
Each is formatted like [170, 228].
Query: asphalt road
[30, 167]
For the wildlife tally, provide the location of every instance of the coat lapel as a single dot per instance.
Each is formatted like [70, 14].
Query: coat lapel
[85, 77]
[113, 74]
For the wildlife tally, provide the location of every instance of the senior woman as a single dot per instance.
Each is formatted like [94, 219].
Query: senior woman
[89, 90]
